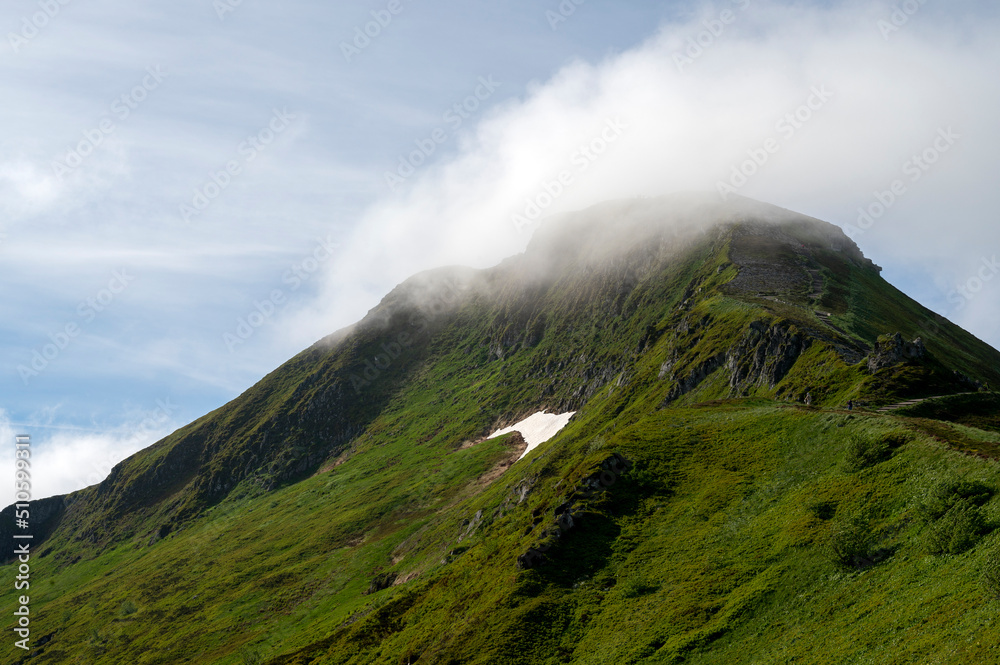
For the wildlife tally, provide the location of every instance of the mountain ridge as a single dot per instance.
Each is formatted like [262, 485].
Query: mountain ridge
[755, 232]
[640, 315]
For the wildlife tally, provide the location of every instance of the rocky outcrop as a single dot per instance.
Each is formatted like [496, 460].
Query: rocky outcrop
[590, 489]
[968, 382]
[892, 350]
[694, 378]
[380, 582]
[667, 367]
[763, 356]
[469, 526]
[44, 515]
[781, 260]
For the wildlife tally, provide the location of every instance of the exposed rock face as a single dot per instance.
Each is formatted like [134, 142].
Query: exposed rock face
[45, 514]
[470, 526]
[762, 356]
[380, 582]
[766, 262]
[892, 349]
[667, 367]
[771, 261]
[694, 378]
[968, 382]
[523, 488]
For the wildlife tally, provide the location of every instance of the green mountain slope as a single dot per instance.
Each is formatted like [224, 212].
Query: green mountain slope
[712, 500]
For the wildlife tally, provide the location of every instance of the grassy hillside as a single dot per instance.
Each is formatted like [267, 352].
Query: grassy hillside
[717, 546]
[347, 509]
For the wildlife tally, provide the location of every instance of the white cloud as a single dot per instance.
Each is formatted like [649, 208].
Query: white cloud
[884, 102]
[65, 460]
[25, 188]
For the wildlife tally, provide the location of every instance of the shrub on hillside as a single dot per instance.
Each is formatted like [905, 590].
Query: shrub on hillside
[128, 608]
[250, 656]
[851, 544]
[865, 450]
[635, 586]
[957, 530]
[944, 496]
[990, 575]
[823, 510]
[952, 515]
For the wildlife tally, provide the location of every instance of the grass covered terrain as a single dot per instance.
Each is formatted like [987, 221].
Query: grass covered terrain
[347, 509]
[719, 545]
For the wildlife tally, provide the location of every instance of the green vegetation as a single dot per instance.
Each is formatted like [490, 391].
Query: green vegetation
[864, 450]
[991, 575]
[979, 410]
[953, 516]
[346, 512]
[739, 531]
[851, 544]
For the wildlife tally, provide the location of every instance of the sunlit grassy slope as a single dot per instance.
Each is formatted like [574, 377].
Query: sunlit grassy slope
[750, 528]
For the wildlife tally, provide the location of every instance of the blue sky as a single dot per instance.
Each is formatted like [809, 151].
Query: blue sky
[176, 178]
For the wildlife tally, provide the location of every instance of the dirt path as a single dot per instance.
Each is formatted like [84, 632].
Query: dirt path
[914, 402]
[816, 288]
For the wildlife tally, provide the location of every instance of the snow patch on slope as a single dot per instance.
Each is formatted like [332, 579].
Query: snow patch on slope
[536, 429]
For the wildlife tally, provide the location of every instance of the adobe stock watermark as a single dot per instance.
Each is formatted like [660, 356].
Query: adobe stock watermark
[787, 127]
[704, 40]
[121, 108]
[899, 17]
[22, 538]
[219, 181]
[965, 293]
[913, 169]
[389, 352]
[562, 13]
[264, 310]
[580, 161]
[32, 26]
[225, 7]
[87, 311]
[363, 35]
[454, 117]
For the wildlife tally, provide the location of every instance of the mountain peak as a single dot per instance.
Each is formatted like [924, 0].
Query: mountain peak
[671, 222]
[669, 328]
